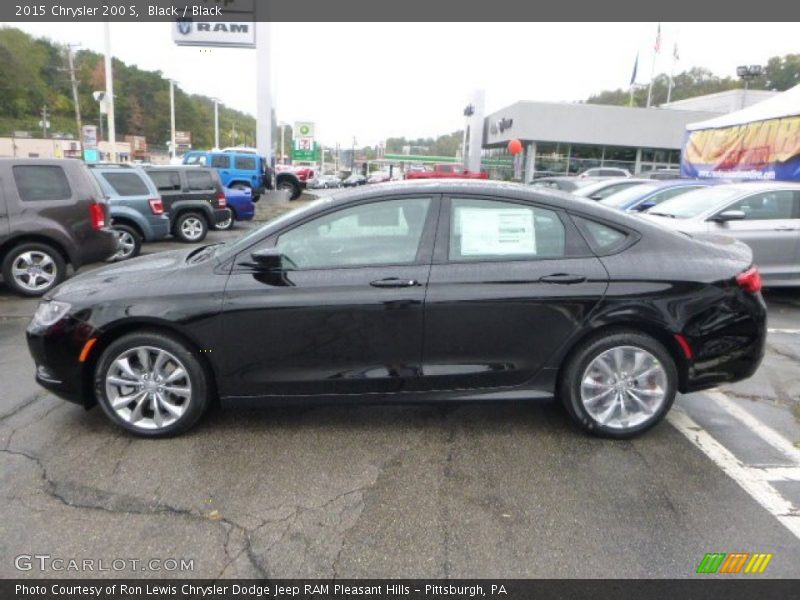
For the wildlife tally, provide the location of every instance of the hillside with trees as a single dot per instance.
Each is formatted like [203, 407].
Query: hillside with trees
[34, 73]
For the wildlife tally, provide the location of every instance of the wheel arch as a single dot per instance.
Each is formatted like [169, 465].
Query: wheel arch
[32, 238]
[130, 222]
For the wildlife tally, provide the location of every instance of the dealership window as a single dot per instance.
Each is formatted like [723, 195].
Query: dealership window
[199, 180]
[126, 184]
[220, 161]
[42, 183]
[387, 232]
[492, 230]
[166, 181]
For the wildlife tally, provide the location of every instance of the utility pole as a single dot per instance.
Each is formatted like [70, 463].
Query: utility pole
[216, 123]
[74, 82]
[172, 119]
[44, 121]
[112, 131]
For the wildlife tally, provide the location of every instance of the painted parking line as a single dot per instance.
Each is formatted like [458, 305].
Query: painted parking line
[750, 479]
[788, 331]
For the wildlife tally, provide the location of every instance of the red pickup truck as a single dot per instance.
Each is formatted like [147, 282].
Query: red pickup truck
[446, 172]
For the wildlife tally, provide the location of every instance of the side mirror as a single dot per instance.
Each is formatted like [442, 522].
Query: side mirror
[645, 205]
[268, 259]
[729, 215]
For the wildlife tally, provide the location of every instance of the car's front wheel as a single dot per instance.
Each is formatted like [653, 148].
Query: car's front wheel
[151, 384]
[190, 227]
[33, 269]
[619, 384]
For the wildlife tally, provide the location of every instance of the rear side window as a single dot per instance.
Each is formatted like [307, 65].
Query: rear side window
[127, 184]
[199, 180]
[601, 237]
[166, 181]
[767, 206]
[220, 161]
[245, 163]
[41, 183]
[492, 230]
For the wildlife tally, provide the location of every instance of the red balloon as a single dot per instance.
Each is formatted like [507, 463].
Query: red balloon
[515, 146]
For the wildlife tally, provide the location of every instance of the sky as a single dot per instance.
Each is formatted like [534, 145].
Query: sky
[377, 80]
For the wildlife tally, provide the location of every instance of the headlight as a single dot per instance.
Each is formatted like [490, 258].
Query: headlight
[49, 313]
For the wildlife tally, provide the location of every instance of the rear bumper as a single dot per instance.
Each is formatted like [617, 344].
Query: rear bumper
[243, 211]
[158, 228]
[220, 215]
[95, 248]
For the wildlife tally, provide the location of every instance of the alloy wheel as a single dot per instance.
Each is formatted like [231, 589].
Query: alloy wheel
[623, 387]
[192, 228]
[34, 271]
[148, 387]
[126, 245]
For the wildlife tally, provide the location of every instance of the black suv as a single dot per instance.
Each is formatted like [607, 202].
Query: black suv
[193, 197]
[51, 213]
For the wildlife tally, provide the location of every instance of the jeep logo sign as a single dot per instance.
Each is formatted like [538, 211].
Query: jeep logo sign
[214, 33]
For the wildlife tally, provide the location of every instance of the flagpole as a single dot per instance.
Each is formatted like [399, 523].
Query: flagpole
[672, 72]
[656, 49]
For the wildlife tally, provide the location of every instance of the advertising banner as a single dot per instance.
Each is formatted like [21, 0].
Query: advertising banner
[763, 150]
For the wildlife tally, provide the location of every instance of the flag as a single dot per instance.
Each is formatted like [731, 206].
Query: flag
[675, 53]
[635, 68]
[658, 40]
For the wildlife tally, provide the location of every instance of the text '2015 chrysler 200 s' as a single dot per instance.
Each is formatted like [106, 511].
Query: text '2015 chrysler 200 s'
[416, 291]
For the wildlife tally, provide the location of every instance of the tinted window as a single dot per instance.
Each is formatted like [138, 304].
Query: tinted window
[694, 203]
[386, 232]
[245, 163]
[220, 161]
[196, 159]
[671, 193]
[199, 180]
[779, 204]
[127, 184]
[602, 238]
[488, 229]
[42, 183]
[166, 181]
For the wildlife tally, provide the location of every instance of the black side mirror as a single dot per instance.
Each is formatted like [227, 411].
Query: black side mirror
[268, 259]
[645, 205]
[729, 215]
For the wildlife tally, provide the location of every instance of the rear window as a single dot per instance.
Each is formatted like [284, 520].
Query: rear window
[601, 237]
[40, 182]
[199, 180]
[220, 161]
[245, 163]
[166, 181]
[127, 184]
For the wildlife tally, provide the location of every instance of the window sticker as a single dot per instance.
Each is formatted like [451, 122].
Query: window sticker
[497, 231]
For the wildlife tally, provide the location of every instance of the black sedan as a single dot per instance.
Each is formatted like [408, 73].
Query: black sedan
[412, 291]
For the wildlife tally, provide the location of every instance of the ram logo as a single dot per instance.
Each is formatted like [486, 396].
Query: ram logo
[184, 26]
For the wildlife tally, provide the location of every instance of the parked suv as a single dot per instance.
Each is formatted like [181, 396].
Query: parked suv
[137, 212]
[193, 197]
[51, 213]
[237, 170]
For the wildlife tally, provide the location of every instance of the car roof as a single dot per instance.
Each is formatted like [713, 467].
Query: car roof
[761, 186]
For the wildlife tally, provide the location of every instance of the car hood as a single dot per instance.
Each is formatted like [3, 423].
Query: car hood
[114, 277]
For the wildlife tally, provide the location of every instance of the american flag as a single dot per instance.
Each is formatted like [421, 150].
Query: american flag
[658, 39]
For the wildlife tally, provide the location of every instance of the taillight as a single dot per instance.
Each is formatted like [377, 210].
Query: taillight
[97, 215]
[156, 206]
[750, 280]
[221, 201]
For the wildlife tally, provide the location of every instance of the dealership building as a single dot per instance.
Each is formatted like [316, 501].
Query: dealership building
[567, 138]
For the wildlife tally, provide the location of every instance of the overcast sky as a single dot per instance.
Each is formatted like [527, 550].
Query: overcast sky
[378, 80]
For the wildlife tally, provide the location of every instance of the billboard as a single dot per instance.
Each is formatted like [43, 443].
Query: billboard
[762, 150]
[183, 138]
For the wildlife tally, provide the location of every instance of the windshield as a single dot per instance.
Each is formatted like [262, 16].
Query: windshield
[628, 195]
[697, 202]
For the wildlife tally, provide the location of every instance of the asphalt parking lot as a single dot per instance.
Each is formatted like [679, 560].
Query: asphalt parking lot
[480, 490]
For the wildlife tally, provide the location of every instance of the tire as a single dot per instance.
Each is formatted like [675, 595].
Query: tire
[129, 240]
[190, 227]
[226, 225]
[33, 268]
[157, 407]
[290, 186]
[600, 371]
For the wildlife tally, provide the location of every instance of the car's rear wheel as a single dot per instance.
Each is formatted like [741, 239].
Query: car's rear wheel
[226, 224]
[33, 269]
[291, 187]
[619, 384]
[190, 227]
[129, 242]
[151, 384]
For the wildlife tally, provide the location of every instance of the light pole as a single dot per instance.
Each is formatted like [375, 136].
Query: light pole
[172, 118]
[112, 131]
[216, 123]
[747, 73]
[282, 125]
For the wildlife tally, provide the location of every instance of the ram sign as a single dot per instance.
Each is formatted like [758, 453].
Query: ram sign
[187, 32]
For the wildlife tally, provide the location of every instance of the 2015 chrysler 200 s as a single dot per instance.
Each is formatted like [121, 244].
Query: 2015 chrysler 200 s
[412, 291]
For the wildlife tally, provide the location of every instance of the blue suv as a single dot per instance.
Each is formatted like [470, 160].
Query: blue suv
[237, 170]
[135, 206]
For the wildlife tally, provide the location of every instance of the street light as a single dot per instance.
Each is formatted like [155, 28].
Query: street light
[283, 125]
[747, 73]
[216, 123]
[172, 119]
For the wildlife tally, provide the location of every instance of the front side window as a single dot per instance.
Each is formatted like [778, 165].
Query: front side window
[387, 232]
[493, 230]
[166, 181]
[779, 204]
[126, 184]
[199, 180]
[41, 183]
[196, 159]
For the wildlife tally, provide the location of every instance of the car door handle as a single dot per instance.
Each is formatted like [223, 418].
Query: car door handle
[394, 282]
[562, 278]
